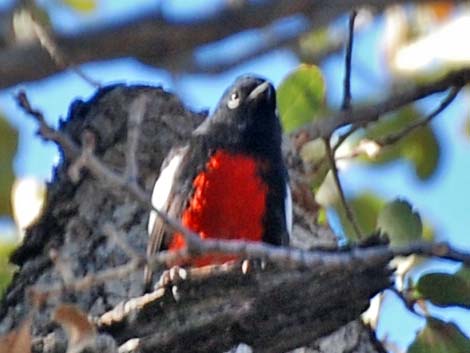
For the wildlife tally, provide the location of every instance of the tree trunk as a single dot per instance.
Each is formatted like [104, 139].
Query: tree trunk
[275, 309]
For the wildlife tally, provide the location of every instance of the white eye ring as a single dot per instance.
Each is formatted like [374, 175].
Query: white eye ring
[234, 100]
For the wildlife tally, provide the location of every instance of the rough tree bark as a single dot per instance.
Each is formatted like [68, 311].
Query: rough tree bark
[272, 310]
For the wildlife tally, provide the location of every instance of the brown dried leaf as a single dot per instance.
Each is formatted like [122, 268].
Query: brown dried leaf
[80, 331]
[19, 340]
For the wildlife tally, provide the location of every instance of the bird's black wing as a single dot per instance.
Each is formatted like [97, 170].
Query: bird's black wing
[170, 195]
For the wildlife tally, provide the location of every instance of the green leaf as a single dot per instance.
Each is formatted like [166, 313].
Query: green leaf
[457, 289]
[313, 151]
[466, 128]
[6, 269]
[365, 208]
[301, 97]
[313, 154]
[81, 5]
[8, 145]
[420, 147]
[440, 337]
[322, 217]
[398, 221]
[429, 233]
[6, 247]
[464, 273]
[314, 43]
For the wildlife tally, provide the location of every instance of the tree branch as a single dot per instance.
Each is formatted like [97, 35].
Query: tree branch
[391, 139]
[300, 296]
[330, 260]
[439, 250]
[334, 170]
[347, 63]
[159, 42]
[134, 122]
[345, 106]
[98, 169]
[367, 114]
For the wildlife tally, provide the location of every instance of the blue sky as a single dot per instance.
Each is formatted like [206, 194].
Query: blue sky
[442, 200]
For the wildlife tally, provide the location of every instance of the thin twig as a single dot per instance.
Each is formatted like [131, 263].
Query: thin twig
[348, 58]
[408, 304]
[47, 42]
[119, 239]
[313, 259]
[134, 121]
[330, 153]
[441, 250]
[334, 170]
[100, 171]
[70, 148]
[344, 137]
[62, 266]
[88, 148]
[370, 113]
[86, 282]
[393, 138]
[94, 279]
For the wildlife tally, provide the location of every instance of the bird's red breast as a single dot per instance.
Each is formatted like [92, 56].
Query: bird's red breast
[228, 202]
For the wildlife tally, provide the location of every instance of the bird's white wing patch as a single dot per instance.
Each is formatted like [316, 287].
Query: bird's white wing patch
[162, 188]
[288, 209]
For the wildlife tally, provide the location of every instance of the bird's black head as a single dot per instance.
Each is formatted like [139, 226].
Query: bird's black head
[246, 99]
[246, 115]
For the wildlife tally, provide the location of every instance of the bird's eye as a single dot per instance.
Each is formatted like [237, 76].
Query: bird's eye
[234, 100]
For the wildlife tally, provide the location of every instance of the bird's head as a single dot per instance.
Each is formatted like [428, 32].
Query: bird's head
[245, 117]
[247, 98]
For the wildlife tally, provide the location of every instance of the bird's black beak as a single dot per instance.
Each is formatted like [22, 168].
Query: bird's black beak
[263, 88]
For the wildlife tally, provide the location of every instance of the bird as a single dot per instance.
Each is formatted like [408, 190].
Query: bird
[229, 181]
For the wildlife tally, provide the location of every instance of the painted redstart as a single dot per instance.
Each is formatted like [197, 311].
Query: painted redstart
[229, 181]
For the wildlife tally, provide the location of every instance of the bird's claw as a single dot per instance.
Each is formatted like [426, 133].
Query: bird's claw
[253, 265]
[172, 277]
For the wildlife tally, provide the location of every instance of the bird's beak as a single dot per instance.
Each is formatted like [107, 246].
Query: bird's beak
[261, 88]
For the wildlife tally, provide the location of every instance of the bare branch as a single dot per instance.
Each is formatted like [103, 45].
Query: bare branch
[370, 113]
[344, 137]
[158, 42]
[118, 238]
[69, 147]
[355, 258]
[408, 304]
[136, 115]
[84, 283]
[334, 170]
[271, 40]
[47, 42]
[151, 39]
[346, 105]
[97, 168]
[347, 63]
[440, 250]
[62, 266]
[88, 148]
[391, 139]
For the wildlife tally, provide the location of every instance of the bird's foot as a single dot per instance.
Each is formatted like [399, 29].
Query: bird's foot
[172, 277]
[253, 265]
